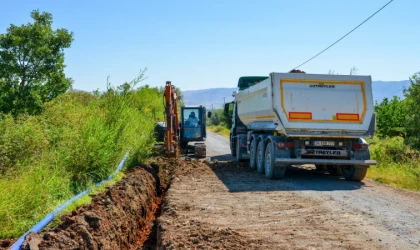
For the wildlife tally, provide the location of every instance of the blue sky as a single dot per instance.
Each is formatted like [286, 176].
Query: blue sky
[210, 44]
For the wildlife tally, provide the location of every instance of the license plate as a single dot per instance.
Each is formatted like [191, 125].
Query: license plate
[324, 143]
[326, 152]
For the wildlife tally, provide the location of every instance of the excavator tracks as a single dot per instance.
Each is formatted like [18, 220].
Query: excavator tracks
[200, 150]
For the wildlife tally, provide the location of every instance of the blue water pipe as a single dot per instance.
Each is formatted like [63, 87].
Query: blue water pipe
[47, 219]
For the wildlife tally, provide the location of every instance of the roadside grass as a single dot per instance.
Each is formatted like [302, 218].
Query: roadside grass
[220, 129]
[77, 141]
[398, 165]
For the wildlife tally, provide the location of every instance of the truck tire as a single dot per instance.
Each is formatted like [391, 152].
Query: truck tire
[260, 157]
[272, 171]
[334, 170]
[353, 173]
[232, 146]
[253, 154]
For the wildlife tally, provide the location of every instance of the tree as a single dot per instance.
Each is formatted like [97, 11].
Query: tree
[391, 117]
[32, 65]
[412, 98]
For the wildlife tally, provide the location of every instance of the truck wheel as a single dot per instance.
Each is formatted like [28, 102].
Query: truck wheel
[272, 171]
[260, 157]
[253, 154]
[321, 167]
[232, 147]
[354, 173]
[334, 170]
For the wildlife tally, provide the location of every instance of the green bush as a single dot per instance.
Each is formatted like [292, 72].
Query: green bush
[412, 97]
[21, 142]
[389, 149]
[391, 117]
[219, 119]
[78, 140]
[398, 164]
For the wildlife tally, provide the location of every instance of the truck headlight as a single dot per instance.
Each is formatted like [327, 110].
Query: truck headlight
[340, 144]
[306, 143]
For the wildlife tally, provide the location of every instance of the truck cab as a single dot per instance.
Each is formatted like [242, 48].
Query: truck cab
[238, 131]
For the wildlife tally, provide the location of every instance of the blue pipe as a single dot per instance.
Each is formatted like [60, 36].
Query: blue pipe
[47, 219]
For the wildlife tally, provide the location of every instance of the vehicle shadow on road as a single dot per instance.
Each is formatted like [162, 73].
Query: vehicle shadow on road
[239, 177]
[225, 157]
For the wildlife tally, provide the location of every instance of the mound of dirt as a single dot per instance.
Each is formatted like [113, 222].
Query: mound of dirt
[119, 218]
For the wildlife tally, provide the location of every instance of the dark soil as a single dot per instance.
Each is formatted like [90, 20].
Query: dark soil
[120, 218]
[5, 243]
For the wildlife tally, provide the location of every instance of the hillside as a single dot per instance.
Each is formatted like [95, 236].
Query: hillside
[214, 98]
[382, 89]
[210, 98]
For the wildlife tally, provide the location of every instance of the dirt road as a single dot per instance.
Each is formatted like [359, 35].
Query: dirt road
[306, 210]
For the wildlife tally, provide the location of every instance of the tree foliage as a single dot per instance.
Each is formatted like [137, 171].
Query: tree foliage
[412, 97]
[32, 65]
[219, 119]
[398, 117]
[391, 117]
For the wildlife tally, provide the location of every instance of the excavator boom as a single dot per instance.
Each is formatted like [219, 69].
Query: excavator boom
[171, 118]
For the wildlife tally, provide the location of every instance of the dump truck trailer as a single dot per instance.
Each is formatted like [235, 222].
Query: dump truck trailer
[297, 118]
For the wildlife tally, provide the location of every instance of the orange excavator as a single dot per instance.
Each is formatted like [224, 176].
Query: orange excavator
[172, 124]
[179, 133]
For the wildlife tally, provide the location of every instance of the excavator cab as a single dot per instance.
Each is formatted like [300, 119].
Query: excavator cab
[177, 133]
[193, 129]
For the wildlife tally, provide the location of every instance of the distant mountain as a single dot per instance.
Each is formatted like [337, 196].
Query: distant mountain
[210, 98]
[382, 89]
[215, 98]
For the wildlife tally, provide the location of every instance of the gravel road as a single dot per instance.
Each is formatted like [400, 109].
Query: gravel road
[307, 209]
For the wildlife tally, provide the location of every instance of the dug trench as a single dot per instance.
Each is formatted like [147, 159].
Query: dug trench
[122, 217]
[134, 214]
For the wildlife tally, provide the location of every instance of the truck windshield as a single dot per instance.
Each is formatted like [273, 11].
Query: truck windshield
[248, 81]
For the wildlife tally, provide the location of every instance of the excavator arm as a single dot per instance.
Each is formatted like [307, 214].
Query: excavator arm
[171, 119]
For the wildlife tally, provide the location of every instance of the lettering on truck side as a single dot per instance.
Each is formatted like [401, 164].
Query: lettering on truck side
[321, 85]
[323, 152]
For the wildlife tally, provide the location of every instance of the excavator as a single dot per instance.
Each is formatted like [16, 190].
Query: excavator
[185, 135]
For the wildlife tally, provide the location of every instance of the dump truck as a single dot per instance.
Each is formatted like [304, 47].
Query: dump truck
[298, 118]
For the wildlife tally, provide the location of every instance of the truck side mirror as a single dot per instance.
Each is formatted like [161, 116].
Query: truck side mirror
[226, 110]
[209, 114]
